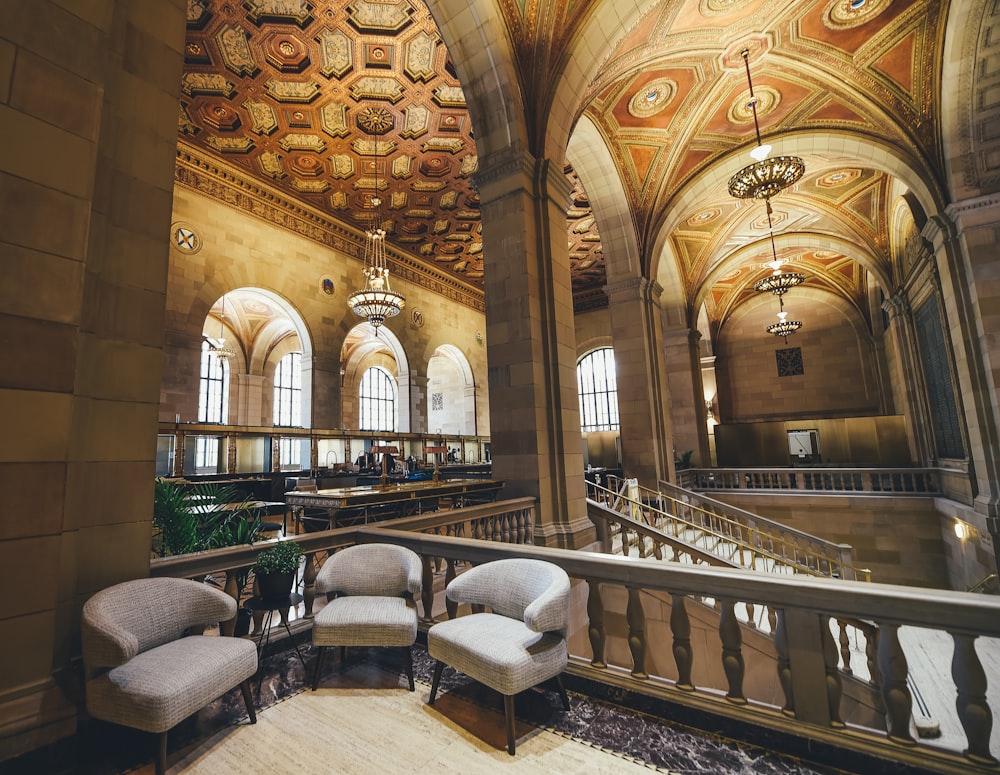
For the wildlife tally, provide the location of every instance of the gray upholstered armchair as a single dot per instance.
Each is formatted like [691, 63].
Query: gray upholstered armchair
[519, 643]
[371, 591]
[143, 672]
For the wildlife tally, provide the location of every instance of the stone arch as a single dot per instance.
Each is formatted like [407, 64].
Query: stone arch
[968, 79]
[449, 376]
[364, 348]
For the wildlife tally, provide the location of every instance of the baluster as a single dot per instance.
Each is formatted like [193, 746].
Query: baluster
[309, 572]
[680, 627]
[658, 549]
[784, 663]
[624, 535]
[895, 694]
[231, 588]
[505, 533]
[427, 586]
[732, 652]
[845, 648]
[772, 618]
[751, 622]
[834, 683]
[636, 619]
[521, 520]
[973, 710]
[595, 628]
[449, 575]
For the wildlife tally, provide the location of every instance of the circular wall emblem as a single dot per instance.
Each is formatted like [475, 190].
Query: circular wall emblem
[417, 317]
[705, 216]
[652, 98]
[844, 14]
[185, 238]
[327, 286]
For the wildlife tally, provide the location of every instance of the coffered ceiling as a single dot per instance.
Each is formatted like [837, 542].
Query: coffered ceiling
[297, 93]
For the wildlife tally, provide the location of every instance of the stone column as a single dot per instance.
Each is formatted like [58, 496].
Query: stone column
[531, 355]
[910, 371]
[326, 410]
[688, 414]
[416, 421]
[965, 239]
[643, 410]
[249, 401]
[470, 394]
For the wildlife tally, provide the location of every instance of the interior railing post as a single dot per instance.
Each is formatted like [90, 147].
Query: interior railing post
[973, 710]
[309, 572]
[732, 651]
[231, 588]
[892, 673]
[680, 627]
[427, 586]
[449, 575]
[834, 683]
[784, 663]
[595, 623]
[636, 619]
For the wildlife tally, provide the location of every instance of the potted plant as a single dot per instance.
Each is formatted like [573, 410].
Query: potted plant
[275, 570]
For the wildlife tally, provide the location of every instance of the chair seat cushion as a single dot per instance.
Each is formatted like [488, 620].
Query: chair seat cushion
[498, 651]
[363, 620]
[160, 687]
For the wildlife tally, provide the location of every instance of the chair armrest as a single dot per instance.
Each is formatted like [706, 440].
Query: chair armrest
[104, 643]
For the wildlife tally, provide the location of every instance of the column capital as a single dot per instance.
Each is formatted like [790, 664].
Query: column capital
[897, 305]
[634, 288]
[974, 212]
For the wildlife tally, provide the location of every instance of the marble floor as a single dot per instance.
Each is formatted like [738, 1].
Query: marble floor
[633, 729]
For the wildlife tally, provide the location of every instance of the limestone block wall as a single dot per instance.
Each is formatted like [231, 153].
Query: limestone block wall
[838, 379]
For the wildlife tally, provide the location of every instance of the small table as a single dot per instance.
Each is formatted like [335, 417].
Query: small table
[270, 606]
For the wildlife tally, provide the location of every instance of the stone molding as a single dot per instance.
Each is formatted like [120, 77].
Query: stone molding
[211, 178]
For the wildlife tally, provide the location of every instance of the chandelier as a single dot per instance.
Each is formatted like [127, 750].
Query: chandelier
[783, 327]
[218, 348]
[766, 176]
[376, 301]
[778, 282]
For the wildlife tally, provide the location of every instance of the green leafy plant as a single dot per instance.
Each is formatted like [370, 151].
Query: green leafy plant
[193, 518]
[684, 461]
[283, 557]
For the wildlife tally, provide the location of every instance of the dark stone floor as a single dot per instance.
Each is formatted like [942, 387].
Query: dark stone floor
[644, 732]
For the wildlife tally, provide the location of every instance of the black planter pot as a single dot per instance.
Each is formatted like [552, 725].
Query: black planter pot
[275, 587]
[243, 616]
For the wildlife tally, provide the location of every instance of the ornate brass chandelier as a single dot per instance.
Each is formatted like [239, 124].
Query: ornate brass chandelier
[778, 282]
[784, 326]
[376, 301]
[218, 347]
[766, 176]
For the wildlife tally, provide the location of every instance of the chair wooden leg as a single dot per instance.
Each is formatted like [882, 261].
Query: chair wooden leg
[408, 664]
[248, 700]
[508, 712]
[562, 692]
[161, 755]
[434, 681]
[319, 666]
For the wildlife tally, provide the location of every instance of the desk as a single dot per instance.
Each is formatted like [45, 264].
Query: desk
[395, 499]
[259, 604]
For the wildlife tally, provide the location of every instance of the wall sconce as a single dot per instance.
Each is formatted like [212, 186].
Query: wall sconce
[960, 531]
[709, 414]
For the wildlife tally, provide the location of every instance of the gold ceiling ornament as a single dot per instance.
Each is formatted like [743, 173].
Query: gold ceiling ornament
[778, 282]
[376, 301]
[767, 175]
[218, 347]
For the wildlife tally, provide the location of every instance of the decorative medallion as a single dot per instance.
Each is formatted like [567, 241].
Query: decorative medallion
[740, 112]
[375, 120]
[284, 52]
[292, 91]
[652, 98]
[262, 116]
[417, 317]
[838, 178]
[337, 53]
[719, 7]
[327, 286]
[704, 217]
[479, 338]
[378, 55]
[845, 14]
[185, 238]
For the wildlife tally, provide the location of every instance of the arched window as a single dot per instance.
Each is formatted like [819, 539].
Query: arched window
[378, 400]
[288, 391]
[598, 388]
[213, 406]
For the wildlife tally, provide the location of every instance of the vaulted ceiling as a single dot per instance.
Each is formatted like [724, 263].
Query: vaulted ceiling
[295, 94]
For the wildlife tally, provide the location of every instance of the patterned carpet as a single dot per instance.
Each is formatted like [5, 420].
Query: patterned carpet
[374, 725]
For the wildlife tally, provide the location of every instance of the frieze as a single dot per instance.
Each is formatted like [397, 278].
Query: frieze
[224, 184]
[292, 91]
